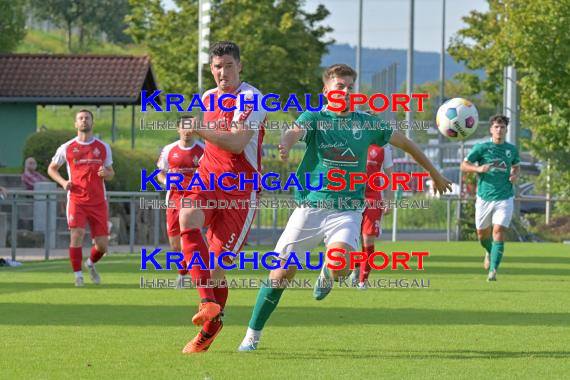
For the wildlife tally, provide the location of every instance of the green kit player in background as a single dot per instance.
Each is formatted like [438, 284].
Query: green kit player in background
[342, 147]
[498, 169]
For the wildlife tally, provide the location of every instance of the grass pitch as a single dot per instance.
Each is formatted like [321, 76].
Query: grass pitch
[461, 327]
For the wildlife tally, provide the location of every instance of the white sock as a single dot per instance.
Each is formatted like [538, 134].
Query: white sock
[78, 274]
[89, 262]
[253, 334]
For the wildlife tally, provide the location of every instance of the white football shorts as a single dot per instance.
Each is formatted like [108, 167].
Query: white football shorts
[308, 227]
[493, 212]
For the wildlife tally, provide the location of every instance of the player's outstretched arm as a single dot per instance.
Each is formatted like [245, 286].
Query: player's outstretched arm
[289, 138]
[441, 184]
[234, 142]
[53, 172]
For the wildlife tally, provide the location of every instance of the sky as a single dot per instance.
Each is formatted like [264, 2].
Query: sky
[386, 22]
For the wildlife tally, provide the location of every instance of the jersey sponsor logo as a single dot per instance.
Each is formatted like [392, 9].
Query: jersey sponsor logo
[357, 134]
[499, 165]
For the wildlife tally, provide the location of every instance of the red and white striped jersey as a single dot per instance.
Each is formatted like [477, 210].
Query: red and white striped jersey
[83, 160]
[217, 160]
[177, 159]
[378, 158]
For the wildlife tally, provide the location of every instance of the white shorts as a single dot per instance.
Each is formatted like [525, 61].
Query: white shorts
[308, 227]
[493, 212]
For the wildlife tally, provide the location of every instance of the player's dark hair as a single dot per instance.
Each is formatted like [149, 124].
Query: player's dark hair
[225, 48]
[85, 110]
[339, 70]
[499, 118]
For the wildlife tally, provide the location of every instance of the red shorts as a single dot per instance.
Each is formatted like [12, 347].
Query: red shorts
[228, 227]
[371, 222]
[172, 214]
[97, 216]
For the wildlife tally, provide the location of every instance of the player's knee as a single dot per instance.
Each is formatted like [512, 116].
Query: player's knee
[499, 233]
[483, 234]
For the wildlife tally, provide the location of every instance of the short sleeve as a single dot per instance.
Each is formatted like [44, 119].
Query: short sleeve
[162, 162]
[108, 157]
[249, 114]
[516, 158]
[382, 130]
[388, 162]
[307, 120]
[59, 157]
[475, 155]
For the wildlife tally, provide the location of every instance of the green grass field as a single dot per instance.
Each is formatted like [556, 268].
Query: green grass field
[461, 327]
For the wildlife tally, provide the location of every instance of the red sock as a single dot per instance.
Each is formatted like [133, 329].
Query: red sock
[221, 294]
[192, 241]
[365, 266]
[96, 255]
[183, 272]
[75, 256]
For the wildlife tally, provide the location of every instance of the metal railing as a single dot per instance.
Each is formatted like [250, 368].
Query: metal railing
[439, 222]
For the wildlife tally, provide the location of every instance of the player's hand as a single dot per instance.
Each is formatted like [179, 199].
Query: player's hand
[283, 152]
[67, 186]
[513, 178]
[387, 211]
[103, 172]
[484, 168]
[441, 184]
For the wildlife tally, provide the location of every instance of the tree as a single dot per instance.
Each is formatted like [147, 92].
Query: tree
[281, 46]
[67, 14]
[533, 36]
[12, 25]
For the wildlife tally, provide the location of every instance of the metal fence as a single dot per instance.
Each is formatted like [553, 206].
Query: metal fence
[441, 221]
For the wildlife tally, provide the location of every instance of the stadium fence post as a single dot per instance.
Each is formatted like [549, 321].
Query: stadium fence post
[448, 219]
[156, 212]
[47, 242]
[14, 228]
[132, 225]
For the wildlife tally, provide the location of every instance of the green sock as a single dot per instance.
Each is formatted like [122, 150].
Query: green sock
[496, 254]
[267, 300]
[487, 244]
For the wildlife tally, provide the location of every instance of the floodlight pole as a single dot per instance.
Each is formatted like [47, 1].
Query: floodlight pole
[410, 69]
[359, 49]
[441, 83]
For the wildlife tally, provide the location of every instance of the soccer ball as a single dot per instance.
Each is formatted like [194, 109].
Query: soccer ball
[457, 119]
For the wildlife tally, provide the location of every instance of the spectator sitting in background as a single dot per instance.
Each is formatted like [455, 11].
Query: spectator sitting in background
[31, 176]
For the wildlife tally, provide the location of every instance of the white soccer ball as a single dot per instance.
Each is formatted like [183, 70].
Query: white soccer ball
[457, 119]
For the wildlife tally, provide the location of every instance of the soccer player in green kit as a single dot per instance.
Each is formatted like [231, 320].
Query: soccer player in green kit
[327, 149]
[498, 169]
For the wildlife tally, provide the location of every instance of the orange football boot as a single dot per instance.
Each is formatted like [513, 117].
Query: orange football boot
[207, 311]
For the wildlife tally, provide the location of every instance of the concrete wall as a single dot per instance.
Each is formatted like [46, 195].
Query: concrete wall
[17, 122]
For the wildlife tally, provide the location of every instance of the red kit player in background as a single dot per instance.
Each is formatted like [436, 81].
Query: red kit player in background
[89, 164]
[182, 157]
[379, 158]
[228, 150]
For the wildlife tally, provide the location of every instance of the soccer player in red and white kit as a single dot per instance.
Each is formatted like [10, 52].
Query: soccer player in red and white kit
[89, 163]
[228, 150]
[181, 157]
[379, 158]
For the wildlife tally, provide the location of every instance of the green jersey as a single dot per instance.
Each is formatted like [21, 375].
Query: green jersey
[337, 142]
[494, 185]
